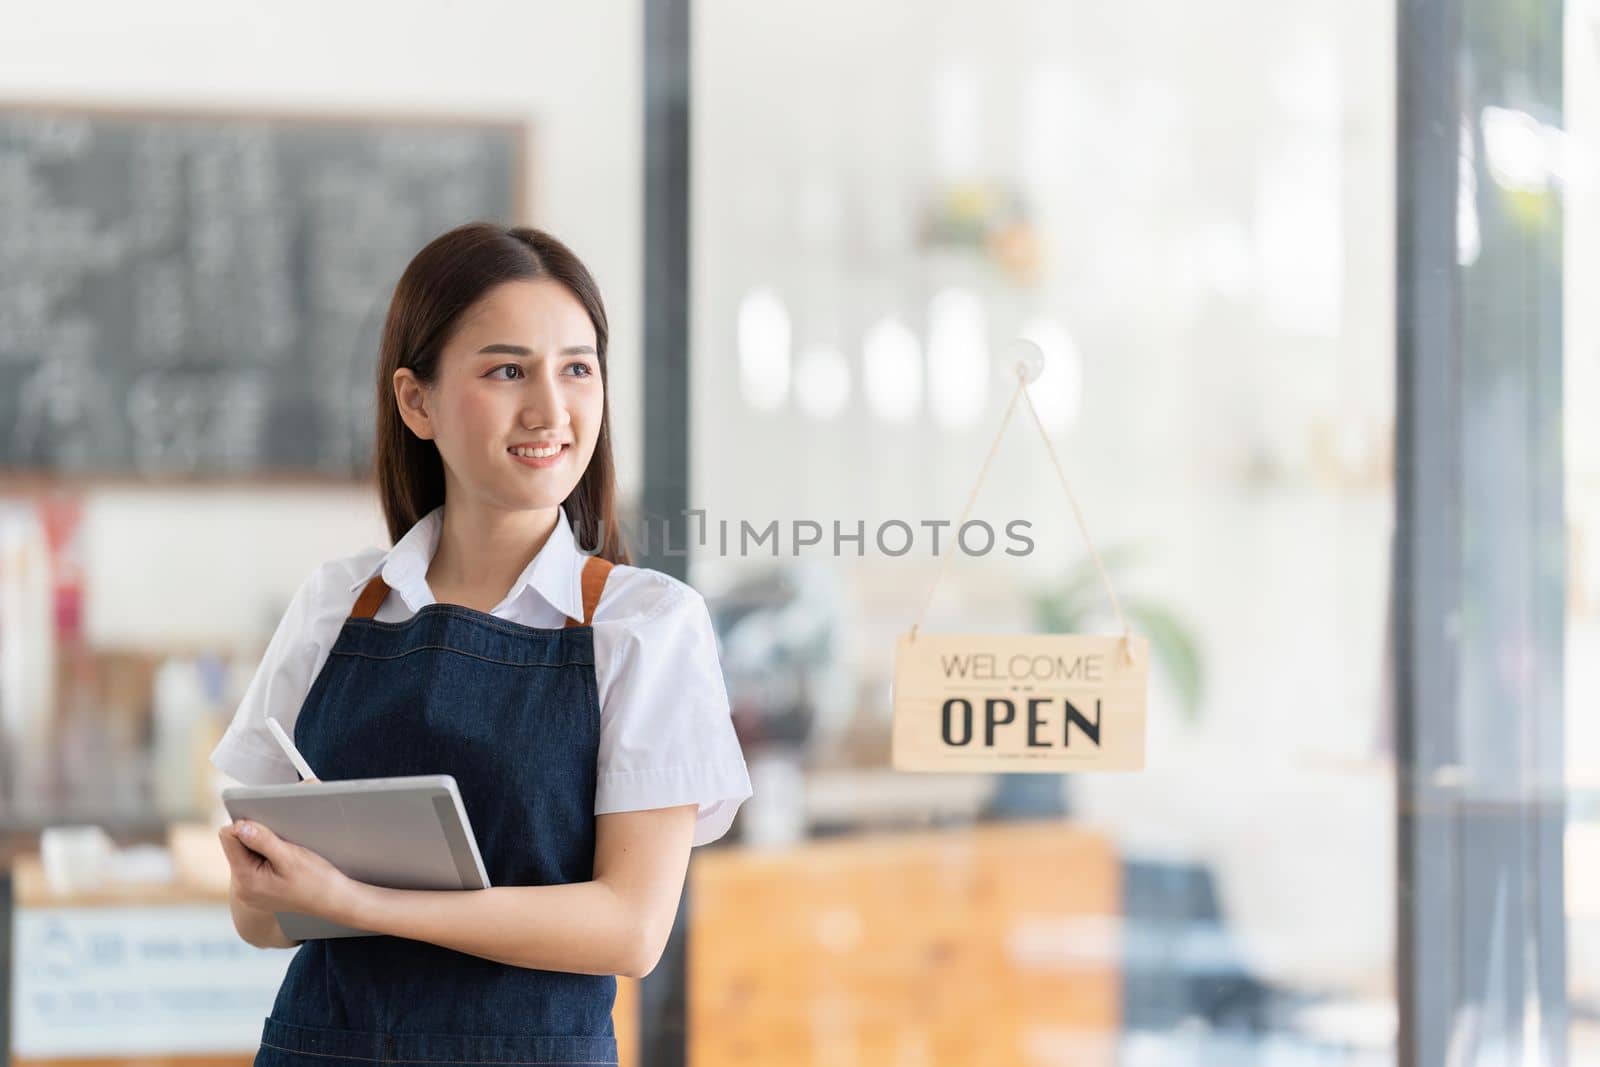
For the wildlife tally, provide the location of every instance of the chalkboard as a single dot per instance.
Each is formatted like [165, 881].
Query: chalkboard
[202, 294]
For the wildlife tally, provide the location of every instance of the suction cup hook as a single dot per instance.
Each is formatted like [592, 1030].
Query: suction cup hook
[1027, 359]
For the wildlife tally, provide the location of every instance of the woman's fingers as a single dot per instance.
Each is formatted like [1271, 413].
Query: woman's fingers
[241, 861]
[260, 839]
[231, 845]
[250, 870]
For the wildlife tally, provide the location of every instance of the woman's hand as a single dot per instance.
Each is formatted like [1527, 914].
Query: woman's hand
[271, 874]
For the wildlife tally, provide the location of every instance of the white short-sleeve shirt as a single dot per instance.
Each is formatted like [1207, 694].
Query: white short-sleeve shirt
[666, 737]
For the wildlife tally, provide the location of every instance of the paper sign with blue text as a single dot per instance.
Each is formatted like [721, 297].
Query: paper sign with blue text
[1044, 703]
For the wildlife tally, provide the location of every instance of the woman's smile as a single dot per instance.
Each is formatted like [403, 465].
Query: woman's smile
[538, 457]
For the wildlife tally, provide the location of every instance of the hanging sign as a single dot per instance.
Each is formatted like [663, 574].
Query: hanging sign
[1021, 702]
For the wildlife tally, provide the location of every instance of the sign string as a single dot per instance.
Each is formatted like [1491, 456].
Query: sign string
[1021, 392]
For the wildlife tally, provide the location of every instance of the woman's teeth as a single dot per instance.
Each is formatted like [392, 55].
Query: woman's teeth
[536, 453]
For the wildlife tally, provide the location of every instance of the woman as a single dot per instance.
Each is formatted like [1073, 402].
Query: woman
[577, 699]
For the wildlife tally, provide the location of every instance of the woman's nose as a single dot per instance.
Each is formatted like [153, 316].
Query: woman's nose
[543, 404]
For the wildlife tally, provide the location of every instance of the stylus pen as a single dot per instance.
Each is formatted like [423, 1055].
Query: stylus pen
[289, 750]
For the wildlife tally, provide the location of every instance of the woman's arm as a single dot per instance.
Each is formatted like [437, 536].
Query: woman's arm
[616, 924]
[257, 927]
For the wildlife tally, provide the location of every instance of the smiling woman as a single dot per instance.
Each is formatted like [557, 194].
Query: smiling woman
[492, 421]
[506, 640]
[544, 309]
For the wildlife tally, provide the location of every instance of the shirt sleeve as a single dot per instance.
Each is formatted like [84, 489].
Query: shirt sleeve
[666, 735]
[247, 752]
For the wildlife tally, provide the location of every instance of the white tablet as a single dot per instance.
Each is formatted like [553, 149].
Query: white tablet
[401, 833]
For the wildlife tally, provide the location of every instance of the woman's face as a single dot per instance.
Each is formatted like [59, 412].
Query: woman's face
[520, 370]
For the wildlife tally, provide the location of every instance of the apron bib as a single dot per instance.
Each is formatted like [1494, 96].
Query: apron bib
[511, 711]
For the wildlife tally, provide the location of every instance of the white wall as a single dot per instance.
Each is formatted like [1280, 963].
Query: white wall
[1214, 188]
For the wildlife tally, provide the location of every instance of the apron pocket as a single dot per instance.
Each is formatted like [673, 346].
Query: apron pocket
[283, 1044]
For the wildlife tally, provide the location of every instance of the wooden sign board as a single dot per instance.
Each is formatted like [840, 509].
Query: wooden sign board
[1043, 703]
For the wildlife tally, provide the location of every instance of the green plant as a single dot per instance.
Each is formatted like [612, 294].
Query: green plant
[1077, 604]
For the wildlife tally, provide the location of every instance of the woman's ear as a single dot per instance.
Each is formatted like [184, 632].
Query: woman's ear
[410, 397]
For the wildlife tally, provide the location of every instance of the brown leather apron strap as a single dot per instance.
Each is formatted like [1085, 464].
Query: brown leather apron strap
[371, 598]
[595, 572]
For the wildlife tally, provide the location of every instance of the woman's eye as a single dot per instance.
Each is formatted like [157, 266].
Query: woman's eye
[584, 367]
[503, 366]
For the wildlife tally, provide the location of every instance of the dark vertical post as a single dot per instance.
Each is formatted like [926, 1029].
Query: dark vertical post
[8, 963]
[663, 1000]
[1428, 520]
[1479, 561]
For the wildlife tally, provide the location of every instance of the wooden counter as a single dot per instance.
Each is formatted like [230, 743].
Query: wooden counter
[985, 945]
[974, 946]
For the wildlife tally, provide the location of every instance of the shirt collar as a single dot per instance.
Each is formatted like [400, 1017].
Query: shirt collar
[555, 573]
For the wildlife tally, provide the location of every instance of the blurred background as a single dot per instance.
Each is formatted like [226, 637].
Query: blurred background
[1309, 280]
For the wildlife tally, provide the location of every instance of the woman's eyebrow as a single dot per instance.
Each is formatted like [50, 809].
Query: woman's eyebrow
[518, 350]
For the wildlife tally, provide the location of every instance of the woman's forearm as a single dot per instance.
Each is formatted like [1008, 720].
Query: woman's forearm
[256, 926]
[579, 927]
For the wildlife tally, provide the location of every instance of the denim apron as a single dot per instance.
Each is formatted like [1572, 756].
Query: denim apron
[512, 712]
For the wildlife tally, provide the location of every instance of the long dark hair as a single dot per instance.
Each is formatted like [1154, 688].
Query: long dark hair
[448, 276]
